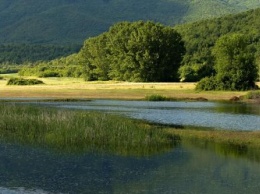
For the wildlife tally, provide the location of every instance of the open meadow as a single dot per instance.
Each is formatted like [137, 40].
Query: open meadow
[78, 88]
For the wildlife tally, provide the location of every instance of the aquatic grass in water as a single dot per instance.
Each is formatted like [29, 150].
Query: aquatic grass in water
[157, 97]
[77, 131]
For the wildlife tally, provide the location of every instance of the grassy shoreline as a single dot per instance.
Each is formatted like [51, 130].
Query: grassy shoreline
[73, 89]
[80, 131]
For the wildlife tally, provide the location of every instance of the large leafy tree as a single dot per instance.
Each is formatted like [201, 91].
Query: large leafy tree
[138, 51]
[234, 63]
[93, 56]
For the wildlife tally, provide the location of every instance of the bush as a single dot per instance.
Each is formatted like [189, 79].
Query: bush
[21, 81]
[49, 74]
[208, 83]
[156, 97]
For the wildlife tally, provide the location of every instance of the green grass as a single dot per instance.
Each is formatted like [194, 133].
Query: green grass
[79, 131]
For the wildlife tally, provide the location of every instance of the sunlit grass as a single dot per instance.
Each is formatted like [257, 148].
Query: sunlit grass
[78, 88]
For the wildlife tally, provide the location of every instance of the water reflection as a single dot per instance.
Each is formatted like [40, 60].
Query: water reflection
[186, 169]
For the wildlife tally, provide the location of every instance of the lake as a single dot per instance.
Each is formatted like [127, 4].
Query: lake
[231, 116]
[184, 169]
[191, 167]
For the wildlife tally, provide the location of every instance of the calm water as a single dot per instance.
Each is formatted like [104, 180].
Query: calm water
[184, 169]
[188, 168]
[232, 116]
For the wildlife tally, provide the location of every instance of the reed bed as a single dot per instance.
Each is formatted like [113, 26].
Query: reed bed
[77, 131]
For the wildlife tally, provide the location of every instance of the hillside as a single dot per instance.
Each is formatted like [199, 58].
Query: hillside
[201, 36]
[72, 21]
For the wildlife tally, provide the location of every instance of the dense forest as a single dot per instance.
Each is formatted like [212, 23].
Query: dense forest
[21, 53]
[72, 21]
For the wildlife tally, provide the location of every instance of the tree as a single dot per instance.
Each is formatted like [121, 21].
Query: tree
[234, 63]
[138, 51]
[94, 58]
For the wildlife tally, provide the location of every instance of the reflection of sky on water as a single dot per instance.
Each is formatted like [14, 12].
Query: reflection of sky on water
[201, 114]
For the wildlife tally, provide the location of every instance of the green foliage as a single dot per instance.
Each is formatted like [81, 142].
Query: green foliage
[21, 81]
[23, 53]
[79, 131]
[209, 83]
[194, 72]
[198, 62]
[235, 65]
[156, 97]
[138, 51]
[200, 38]
[62, 67]
[6, 68]
[94, 58]
[72, 21]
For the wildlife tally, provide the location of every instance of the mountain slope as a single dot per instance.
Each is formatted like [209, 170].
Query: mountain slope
[72, 21]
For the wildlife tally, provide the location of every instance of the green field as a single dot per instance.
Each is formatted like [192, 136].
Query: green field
[78, 88]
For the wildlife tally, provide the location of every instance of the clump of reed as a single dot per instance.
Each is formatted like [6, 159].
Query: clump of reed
[22, 81]
[157, 97]
[77, 131]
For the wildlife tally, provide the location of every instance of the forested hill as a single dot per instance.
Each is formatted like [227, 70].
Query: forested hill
[201, 36]
[72, 21]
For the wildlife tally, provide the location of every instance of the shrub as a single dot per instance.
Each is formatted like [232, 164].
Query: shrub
[49, 73]
[208, 83]
[21, 81]
[156, 97]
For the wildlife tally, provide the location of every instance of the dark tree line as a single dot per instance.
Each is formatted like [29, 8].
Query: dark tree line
[20, 53]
